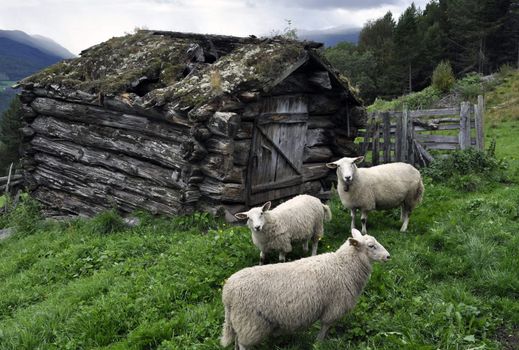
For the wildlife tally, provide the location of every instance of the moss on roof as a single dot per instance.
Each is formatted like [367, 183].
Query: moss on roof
[166, 62]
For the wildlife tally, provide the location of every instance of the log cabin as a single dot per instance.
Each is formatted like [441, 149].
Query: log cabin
[173, 123]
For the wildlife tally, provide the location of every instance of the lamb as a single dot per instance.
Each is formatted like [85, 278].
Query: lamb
[298, 219]
[380, 187]
[267, 300]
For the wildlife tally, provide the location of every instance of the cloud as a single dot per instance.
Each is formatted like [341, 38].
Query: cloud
[79, 24]
[332, 4]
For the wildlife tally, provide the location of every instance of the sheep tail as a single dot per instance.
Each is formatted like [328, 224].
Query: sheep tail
[327, 213]
[419, 192]
[228, 333]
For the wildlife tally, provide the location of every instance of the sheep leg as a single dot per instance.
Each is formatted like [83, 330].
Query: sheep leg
[263, 259]
[364, 220]
[238, 346]
[315, 243]
[305, 246]
[352, 213]
[281, 256]
[324, 330]
[405, 219]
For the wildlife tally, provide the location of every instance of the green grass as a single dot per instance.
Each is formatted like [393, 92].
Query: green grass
[2, 200]
[452, 283]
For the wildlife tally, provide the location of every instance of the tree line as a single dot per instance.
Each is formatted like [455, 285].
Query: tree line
[394, 57]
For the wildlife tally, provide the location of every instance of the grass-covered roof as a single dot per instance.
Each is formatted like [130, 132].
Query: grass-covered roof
[188, 68]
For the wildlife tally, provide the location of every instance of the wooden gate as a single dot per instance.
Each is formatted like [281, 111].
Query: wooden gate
[275, 166]
[410, 135]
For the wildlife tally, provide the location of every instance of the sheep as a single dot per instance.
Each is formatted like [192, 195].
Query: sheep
[261, 301]
[298, 219]
[380, 187]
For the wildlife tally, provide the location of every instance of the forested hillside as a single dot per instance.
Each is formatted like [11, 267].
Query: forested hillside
[396, 56]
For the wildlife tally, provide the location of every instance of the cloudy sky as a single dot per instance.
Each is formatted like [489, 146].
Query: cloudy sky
[78, 24]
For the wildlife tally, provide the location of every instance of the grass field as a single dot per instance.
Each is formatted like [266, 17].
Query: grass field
[452, 282]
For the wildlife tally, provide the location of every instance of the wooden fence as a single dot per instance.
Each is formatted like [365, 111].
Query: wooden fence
[10, 184]
[408, 136]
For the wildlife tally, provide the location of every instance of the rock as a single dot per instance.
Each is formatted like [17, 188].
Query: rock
[6, 233]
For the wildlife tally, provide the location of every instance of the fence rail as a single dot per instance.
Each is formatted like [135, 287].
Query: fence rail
[409, 135]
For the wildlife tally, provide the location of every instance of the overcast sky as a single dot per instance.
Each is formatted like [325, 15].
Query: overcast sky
[78, 24]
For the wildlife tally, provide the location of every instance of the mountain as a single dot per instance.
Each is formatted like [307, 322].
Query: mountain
[331, 36]
[39, 42]
[22, 55]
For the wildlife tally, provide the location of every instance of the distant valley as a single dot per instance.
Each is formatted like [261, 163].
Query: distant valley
[22, 55]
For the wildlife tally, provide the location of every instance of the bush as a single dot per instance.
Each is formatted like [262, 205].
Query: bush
[468, 170]
[106, 222]
[470, 86]
[443, 77]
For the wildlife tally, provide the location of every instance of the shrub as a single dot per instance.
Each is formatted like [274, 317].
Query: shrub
[470, 86]
[106, 222]
[443, 77]
[468, 170]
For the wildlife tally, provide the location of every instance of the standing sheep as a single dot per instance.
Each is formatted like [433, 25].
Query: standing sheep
[266, 300]
[380, 187]
[298, 219]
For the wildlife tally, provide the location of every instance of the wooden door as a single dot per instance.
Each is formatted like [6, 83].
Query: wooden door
[275, 167]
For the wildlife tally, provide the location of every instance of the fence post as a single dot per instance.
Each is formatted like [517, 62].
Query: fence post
[398, 139]
[376, 140]
[387, 137]
[365, 144]
[464, 136]
[405, 136]
[479, 110]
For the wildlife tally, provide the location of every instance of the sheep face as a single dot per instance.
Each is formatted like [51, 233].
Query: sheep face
[255, 216]
[368, 245]
[346, 168]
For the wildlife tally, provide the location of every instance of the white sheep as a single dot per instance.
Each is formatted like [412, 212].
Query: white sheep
[298, 219]
[266, 300]
[380, 187]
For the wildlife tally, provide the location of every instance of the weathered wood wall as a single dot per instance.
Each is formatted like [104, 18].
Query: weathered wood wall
[84, 154]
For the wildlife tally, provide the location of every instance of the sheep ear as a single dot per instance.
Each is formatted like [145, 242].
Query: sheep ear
[356, 233]
[332, 165]
[358, 160]
[241, 216]
[266, 206]
[353, 242]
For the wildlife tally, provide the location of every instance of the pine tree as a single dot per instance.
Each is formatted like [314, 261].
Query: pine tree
[10, 136]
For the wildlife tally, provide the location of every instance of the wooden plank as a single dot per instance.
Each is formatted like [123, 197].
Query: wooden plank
[292, 143]
[386, 136]
[441, 146]
[367, 135]
[436, 138]
[278, 148]
[226, 192]
[464, 135]
[423, 153]
[398, 139]
[287, 182]
[433, 112]
[479, 121]
[321, 121]
[317, 154]
[410, 144]
[161, 175]
[314, 171]
[405, 135]
[285, 118]
[126, 142]
[262, 197]
[375, 155]
[244, 131]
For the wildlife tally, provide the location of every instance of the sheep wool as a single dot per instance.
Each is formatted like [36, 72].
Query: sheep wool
[383, 186]
[267, 300]
[298, 219]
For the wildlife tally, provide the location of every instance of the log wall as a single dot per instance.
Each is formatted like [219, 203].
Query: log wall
[83, 154]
